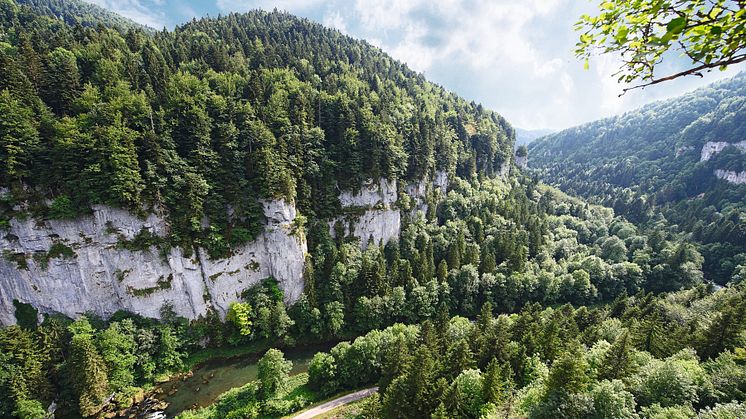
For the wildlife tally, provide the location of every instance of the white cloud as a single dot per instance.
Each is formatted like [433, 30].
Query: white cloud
[336, 20]
[295, 6]
[480, 34]
[135, 10]
[514, 56]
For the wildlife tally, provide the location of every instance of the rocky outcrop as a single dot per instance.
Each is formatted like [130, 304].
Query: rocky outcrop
[737, 178]
[681, 150]
[521, 161]
[713, 147]
[504, 169]
[441, 182]
[371, 215]
[418, 192]
[90, 271]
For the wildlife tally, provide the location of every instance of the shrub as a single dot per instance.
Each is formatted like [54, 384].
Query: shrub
[61, 208]
[26, 315]
[59, 249]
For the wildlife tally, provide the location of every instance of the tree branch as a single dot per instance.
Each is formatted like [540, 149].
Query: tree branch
[696, 71]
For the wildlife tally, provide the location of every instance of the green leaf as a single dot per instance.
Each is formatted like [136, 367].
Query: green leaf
[586, 65]
[675, 26]
[621, 34]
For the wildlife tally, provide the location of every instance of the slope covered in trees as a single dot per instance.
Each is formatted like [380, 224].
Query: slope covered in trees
[75, 12]
[642, 356]
[649, 162]
[202, 122]
[207, 119]
[498, 243]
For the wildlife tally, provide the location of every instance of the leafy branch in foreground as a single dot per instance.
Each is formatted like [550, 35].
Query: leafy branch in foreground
[711, 33]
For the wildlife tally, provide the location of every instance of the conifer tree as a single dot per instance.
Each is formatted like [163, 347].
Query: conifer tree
[62, 80]
[87, 372]
[19, 140]
[617, 363]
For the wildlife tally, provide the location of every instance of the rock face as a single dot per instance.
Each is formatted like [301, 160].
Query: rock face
[738, 178]
[713, 147]
[371, 214]
[101, 277]
[98, 275]
[418, 192]
[441, 182]
[684, 149]
[521, 161]
[505, 169]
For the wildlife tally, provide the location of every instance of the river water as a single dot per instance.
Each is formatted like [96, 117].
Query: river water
[213, 378]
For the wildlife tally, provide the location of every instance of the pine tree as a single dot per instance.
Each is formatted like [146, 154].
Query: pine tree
[497, 383]
[87, 372]
[309, 282]
[649, 335]
[62, 80]
[726, 329]
[396, 360]
[442, 271]
[568, 373]
[19, 140]
[442, 325]
[454, 256]
[617, 363]
[487, 262]
[459, 358]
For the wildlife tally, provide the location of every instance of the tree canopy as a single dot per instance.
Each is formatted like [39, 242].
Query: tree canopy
[644, 33]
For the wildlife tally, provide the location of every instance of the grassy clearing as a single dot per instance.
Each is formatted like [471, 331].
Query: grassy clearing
[348, 411]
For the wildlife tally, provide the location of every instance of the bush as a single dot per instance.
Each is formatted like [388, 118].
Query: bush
[724, 411]
[59, 249]
[61, 208]
[26, 315]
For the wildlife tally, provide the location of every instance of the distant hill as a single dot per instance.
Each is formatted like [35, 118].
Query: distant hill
[684, 158]
[79, 12]
[525, 136]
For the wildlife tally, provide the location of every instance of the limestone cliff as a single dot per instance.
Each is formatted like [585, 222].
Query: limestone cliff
[713, 147]
[737, 178]
[81, 266]
[89, 271]
[371, 213]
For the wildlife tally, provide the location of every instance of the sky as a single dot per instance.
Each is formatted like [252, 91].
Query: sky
[513, 56]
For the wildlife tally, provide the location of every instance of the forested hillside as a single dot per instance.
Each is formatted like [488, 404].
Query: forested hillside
[651, 161]
[207, 119]
[81, 13]
[498, 296]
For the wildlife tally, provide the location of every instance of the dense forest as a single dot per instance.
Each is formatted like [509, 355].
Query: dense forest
[205, 120]
[646, 164]
[505, 298]
[504, 244]
[671, 356]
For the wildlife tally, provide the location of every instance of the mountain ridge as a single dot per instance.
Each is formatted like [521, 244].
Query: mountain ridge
[674, 158]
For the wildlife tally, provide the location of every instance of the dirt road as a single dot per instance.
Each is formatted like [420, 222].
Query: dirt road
[332, 404]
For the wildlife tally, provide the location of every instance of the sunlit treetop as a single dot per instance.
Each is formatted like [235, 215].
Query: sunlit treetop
[711, 33]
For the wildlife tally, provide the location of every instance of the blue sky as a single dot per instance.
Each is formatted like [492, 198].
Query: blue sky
[513, 56]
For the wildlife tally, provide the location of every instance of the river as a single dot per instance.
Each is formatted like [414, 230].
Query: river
[214, 377]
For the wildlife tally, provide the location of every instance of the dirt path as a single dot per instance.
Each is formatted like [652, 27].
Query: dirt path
[333, 404]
